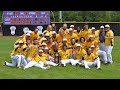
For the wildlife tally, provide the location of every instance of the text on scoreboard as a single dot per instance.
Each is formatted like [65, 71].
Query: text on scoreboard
[26, 17]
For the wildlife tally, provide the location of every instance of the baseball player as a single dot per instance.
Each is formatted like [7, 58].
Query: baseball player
[109, 43]
[65, 55]
[78, 53]
[49, 59]
[38, 61]
[90, 60]
[17, 57]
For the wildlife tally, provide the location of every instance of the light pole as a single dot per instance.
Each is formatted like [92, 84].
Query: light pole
[60, 14]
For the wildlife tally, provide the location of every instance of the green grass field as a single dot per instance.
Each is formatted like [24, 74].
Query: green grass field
[68, 72]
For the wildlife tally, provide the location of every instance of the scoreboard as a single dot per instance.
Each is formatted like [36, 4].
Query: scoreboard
[26, 17]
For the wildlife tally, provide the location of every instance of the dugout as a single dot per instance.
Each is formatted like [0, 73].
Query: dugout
[6, 31]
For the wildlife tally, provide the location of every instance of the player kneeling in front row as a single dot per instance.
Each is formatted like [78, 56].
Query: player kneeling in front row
[49, 59]
[90, 59]
[77, 55]
[17, 56]
[65, 55]
[38, 60]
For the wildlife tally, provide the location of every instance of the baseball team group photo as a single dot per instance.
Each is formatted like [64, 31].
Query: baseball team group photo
[59, 45]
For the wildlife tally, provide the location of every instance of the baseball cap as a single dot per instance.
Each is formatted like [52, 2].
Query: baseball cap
[71, 25]
[53, 43]
[28, 34]
[44, 38]
[47, 34]
[21, 41]
[101, 26]
[107, 25]
[46, 48]
[44, 43]
[53, 32]
[64, 39]
[93, 28]
[90, 35]
[92, 45]
[40, 50]
[70, 29]
[65, 25]
[77, 45]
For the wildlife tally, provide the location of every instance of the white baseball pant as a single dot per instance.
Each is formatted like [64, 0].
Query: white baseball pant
[108, 50]
[102, 46]
[36, 64]
[51, 63]
[15, 60]
[74, 62]
[91, 64]
[103, 55]
[64, 62]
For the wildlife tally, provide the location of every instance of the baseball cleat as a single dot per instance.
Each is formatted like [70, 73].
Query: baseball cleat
[4, 64]
[99, 68]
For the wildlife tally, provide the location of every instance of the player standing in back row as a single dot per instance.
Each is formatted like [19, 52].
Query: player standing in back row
[109, 43]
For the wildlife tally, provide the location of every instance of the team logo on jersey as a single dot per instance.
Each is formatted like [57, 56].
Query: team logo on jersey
[12, 28]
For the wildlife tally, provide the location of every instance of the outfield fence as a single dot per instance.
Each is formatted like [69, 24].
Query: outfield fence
[115, 26]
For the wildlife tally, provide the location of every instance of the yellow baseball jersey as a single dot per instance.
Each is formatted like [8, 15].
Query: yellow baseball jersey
[79, 34]
[61, 44]
[72, 46]
[82, 45]
[49, 45]
[52, 52]
[79, 54]
[18, 50]
[108, 41]
[32, 51]
[68, 37]
[21, 38]
[66, 31]
[55, 39]
[46, 56]
[50, 32]
[27, 50]
[89, 58]
[64, 54]
[38, 58]
[86, 33]
[41, 40]
[89, 43]
[59, 38]
[34, 35]
[95, 52]
[97, 34]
